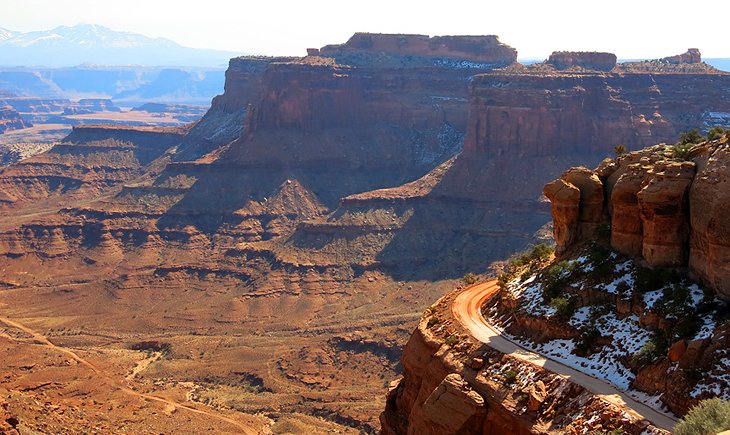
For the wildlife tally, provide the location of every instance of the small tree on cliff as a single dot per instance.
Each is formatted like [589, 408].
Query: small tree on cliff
[619, 150]
[715, 133]
[690, 137]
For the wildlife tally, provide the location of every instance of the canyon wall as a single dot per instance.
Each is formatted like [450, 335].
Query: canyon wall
[10, 119]
[664, 209]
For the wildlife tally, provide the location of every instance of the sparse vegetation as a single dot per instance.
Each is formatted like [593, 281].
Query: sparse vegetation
[691, 137]
[587, 343]
[527, 262]
[648, 279]
[509, 377]
[564, 307]
[653, 349]
[711, 416]
[470, 279]
[715, 133]
[451, 340]
[556, 278]
[682, 151]
[433, 321]
[619, 150]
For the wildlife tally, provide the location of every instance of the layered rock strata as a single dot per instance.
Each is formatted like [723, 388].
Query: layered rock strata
[590, 60]
[662, 209]
[10, 119]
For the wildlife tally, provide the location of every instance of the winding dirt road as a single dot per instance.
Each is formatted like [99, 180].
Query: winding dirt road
[467, 310]
[43, 340]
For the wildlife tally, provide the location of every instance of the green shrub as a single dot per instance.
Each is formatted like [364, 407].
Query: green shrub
[690, 137]
[653, 349]
[715, 133]
[451, 340]
[556, 278]
[509, 377]
[681, 151]
[619, 149]
[648, 279]
[433, 321]
[564, 307]
[588, 341]
[470, 279]
[711, 416]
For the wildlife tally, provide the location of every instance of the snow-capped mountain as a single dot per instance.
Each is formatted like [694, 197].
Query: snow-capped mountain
[90, 43]
[6, 34]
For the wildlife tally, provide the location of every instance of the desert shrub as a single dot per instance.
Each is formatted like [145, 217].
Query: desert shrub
[690, 137]
[623, 287]
[653, 349]
[509, 377]
[715, 133]
[682, 151]
[648, 279]
[433, 321]
[600, 258]
[451, 340]
[533, 258]
[564, 307]
[556, 278]
[470, 279]
[588, 341]
[619, 149]
[710, 416]
[540, 252]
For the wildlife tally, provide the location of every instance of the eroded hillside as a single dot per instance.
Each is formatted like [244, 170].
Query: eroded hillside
[272, 258]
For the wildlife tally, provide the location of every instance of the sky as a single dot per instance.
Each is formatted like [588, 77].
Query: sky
[631, 29]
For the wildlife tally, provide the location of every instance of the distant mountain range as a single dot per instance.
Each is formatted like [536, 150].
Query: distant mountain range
[93, 44]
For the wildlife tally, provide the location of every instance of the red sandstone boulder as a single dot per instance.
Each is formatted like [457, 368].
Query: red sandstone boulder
[677, 350]
[452, 408]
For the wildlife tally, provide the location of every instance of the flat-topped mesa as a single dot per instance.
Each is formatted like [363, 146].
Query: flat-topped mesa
[485, 49]
[243, 81]
[692, 55]
[590, 60]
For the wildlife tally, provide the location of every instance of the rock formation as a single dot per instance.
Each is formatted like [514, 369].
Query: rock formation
[451, 385]
[661, 209]
[486, 50]
[10, 119]
[318, 195]
[589, 60]
[692, 55]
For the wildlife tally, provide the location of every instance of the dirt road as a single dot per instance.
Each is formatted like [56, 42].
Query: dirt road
[467, 310]
[43, 340]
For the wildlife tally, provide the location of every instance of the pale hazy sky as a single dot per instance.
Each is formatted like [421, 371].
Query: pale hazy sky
[631, 29]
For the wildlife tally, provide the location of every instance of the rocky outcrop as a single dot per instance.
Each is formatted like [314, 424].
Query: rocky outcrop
[709, 222]
[453, 385]
[692, 55]
[590, 60]
[486, 50]
[662, 209]
[10, 119]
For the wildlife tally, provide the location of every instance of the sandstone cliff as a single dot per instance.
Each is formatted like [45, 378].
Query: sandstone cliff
[10, 119]
[663, 208]
[453, 385]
